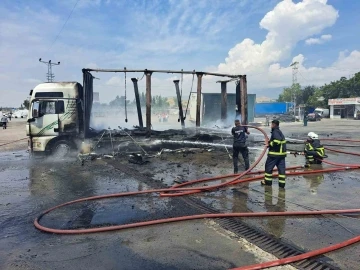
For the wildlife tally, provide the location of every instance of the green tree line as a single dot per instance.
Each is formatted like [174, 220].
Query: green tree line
[314, 96]
[156, 101]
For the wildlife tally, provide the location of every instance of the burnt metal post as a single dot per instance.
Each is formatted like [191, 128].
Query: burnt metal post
[237, 100]
[148, 101]
[223, 101]
[137, 99]
[198, 99]
[243, 100]
[181, 113]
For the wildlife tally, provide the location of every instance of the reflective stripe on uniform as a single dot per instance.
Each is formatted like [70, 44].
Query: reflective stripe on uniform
[282, 181]
[268, 176]
[320, 151]
[279, 142]
[310, 158]
[278, 153]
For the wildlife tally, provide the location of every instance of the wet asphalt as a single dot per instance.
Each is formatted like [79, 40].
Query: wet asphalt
[28, 187]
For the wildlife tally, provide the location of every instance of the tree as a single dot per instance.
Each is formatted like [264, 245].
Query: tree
[308, 92]
[118, 102]
[26, 104]
[318, 96]
[288, 94]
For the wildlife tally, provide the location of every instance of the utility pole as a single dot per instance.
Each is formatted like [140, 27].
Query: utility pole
[49, 75]
[295, 68]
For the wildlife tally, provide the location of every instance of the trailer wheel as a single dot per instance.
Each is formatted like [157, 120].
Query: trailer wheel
[61, 149]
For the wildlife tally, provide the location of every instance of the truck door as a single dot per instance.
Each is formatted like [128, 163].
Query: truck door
[46, 115]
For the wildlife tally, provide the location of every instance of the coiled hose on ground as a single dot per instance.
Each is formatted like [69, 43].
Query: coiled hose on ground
[180, 190]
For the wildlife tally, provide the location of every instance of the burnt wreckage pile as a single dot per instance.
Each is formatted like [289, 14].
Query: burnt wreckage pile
[136, 140]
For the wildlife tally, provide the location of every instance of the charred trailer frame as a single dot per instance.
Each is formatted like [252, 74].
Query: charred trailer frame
[88, 95]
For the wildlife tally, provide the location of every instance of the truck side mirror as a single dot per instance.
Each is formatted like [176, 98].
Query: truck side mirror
[30, 120]
[35, 109]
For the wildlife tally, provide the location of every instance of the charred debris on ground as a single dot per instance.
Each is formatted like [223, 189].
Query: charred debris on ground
[137, 142]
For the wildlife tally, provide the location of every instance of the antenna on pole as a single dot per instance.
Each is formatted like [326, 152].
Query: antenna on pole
[295, 69]
[49, 75]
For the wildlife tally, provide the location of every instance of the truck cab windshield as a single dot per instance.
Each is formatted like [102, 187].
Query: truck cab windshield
[41, 108]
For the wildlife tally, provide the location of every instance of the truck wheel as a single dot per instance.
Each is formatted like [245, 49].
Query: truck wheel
[61, 149]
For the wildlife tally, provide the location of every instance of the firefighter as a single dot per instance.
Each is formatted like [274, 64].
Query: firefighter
[314, 151]
[239, 132]
[276, 156]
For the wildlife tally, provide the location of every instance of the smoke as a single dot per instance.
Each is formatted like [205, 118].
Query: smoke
[105, 117]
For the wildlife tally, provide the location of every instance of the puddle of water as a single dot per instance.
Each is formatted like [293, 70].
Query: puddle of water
[14, 156]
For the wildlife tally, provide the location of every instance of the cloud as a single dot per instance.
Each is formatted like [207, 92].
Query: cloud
[288, 24]
[321, 40]
[92, 66]
[148, 34]
[115, 81]
[34, 81]
[165, 35]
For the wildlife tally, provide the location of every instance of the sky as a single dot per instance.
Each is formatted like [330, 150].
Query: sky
[258, 38]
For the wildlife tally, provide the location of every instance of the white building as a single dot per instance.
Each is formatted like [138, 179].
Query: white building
[344, 108]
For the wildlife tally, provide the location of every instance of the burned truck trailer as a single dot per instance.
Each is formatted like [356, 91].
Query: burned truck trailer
[60, 112]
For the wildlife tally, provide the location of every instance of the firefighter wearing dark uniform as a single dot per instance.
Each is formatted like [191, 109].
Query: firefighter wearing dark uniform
[239, 132]
[276, 156]
[314, 151]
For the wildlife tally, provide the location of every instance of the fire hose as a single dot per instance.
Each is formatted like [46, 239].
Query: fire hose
[340, 140]
[180, 190]
[342, 152]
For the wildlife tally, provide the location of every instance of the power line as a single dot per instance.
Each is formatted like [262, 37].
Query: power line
[62, 28]
[302, 76]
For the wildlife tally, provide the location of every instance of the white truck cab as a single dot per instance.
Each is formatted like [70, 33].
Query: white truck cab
[55, 117]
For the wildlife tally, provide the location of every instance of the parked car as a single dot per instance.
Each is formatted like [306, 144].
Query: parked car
[314, 117]
[284, 117]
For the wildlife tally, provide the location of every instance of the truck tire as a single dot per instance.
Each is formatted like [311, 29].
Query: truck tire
[61, 149]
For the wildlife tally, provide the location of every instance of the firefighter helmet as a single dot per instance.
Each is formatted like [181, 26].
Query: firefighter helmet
[313, 135]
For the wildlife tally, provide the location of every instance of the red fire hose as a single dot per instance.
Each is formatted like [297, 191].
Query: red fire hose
[340, 140]
[342, 152]
[301, 257]
[235, 179]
